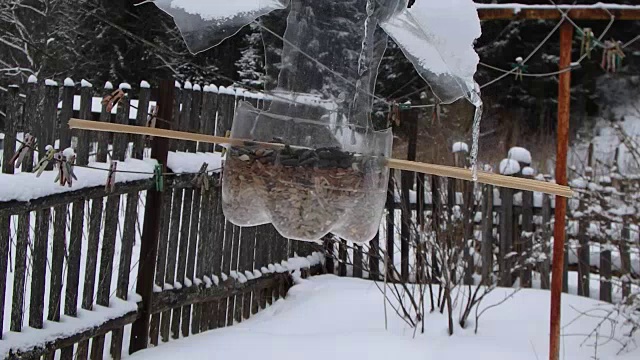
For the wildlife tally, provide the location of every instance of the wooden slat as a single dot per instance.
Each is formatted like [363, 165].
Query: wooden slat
[60, 215]
[141, 120]
[342, 257]
[187, 200]
[11, 120]
[172, 250]
[605, 272]
[202, 237]
[111, 220]
[233, 300]
[584, 255]
[357, 261]
[103, 138]
[506, 237]
[545, 267]
[625, 259]
[374, 258]
[527, 227]
[191, 260]
[391, 226]
[214, 251]
[161, 261]
[487, 234]
[95, 223]
[17, 310]
[187, 204]
[246, 264]
[77, 221]
[39, 269]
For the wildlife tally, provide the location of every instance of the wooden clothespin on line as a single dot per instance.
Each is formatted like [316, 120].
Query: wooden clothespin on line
[430, 169]
[201, 179]
[112, 99]
[25, 147]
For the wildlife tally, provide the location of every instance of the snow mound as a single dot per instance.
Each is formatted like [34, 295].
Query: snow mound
[108, 85]
[348, 314]
[520, 154]
[32, 79]
[528, 171]
[509, 167]
[460, 147]
[69, 82]
[145, 85]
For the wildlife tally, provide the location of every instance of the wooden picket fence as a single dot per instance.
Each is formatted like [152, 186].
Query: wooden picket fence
[82, 253]
[88, 253]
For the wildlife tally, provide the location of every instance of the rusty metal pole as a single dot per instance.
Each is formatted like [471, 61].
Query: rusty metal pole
[564, 105]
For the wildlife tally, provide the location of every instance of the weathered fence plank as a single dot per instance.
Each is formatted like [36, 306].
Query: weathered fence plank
[60, 213]
[506, 237]
[487, 234]
[11, 121]
[545, 266]
[110, 231]
[527, 238]
[605, 272]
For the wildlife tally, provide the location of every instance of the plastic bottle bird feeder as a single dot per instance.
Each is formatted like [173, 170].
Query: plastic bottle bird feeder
[331, 174]
[312, 186]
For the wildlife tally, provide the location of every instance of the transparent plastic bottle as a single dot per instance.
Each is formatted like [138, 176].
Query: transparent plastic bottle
[327, 178]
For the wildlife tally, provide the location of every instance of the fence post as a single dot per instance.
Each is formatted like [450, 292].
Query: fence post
[151, 227]
[545, 267]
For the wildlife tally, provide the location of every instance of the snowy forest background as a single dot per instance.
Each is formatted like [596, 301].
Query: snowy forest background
[100, 40]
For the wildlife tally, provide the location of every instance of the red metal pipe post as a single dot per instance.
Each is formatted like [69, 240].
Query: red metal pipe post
[564, 105]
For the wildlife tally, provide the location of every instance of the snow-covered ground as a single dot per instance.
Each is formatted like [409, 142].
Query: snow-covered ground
[327, 317]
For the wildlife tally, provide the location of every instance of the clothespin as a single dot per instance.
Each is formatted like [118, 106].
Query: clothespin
[111, 177]
[201, 180]
[158, 178]
[70, 161]
[394, 114]
[612, 55]
[42, 164]
[587, 42]
[520, 68]
[436, 113]
[63, 172]
[26, 146]
[112, 100]
[227, 135]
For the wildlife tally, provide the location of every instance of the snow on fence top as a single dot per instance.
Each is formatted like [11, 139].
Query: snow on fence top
[520, 154]
[509, 167]
[26, 186]
[460, 147]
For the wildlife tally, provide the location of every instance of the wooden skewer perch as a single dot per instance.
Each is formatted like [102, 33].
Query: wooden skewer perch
[431, 169]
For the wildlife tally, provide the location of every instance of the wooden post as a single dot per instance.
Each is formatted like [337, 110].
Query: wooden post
[151, 228]
[564, 104]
